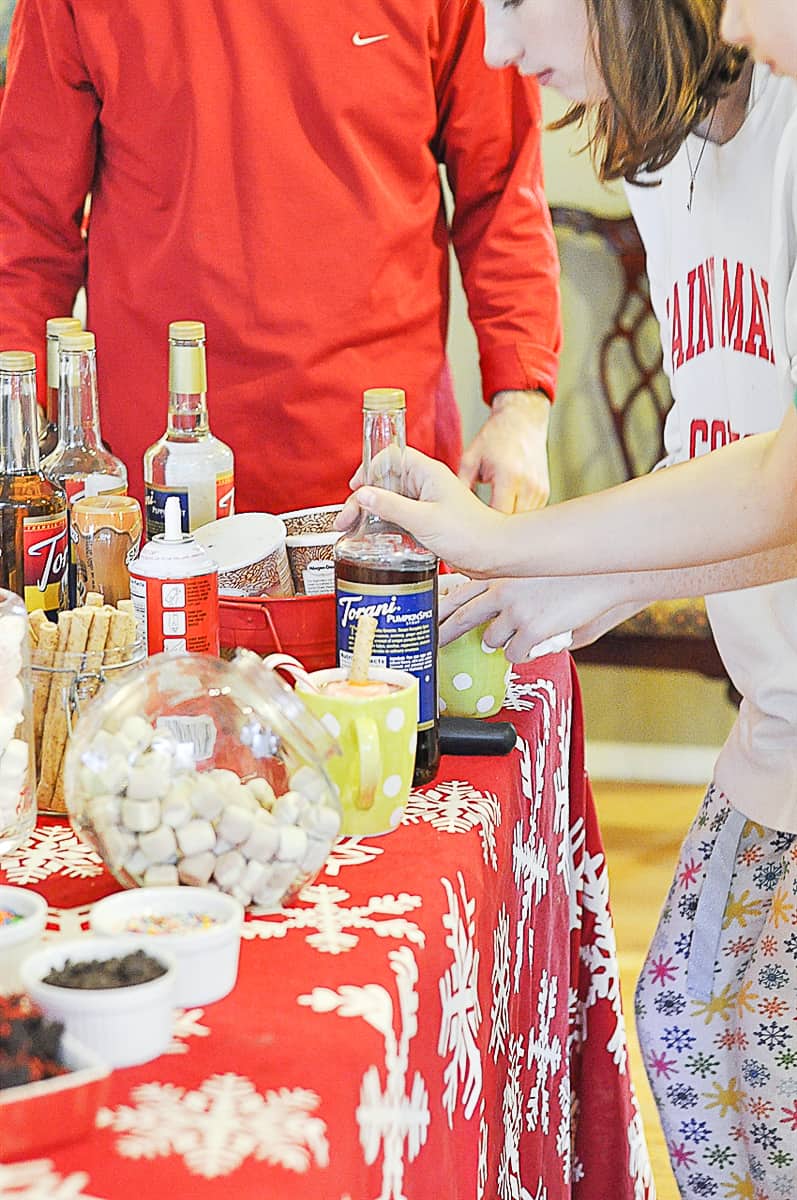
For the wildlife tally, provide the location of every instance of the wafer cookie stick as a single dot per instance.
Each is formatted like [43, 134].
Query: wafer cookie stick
[76, 625]
[98, 637]
[121, 636]
[361, 652]
[36, 621]
[94, 600]
[43, 657]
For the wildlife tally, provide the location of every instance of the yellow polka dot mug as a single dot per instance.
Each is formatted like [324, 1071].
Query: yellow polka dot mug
[472, 677]
[375, 724]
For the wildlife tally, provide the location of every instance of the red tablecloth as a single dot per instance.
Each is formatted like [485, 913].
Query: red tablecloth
[438, 1015]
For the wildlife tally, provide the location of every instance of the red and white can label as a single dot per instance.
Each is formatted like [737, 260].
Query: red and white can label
[177, 616]
[46, 557]
[225, 495]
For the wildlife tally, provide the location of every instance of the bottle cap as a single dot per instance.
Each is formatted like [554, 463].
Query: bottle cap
[77, 340]
[172, 520]
[59, 325]
[13, 361]
[186, 331]
[384, 398]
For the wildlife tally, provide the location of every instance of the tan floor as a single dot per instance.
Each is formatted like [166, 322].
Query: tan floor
[643, 826]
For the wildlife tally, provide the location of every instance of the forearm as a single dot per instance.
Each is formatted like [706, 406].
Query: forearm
[730, 504]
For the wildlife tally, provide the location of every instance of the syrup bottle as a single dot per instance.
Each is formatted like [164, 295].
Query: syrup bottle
[48, 432]
[382, 570]
[34, 549]
[188, 461]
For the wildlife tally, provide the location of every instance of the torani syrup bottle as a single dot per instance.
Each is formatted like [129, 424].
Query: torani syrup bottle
[382, 570]
[34, 548]
[188, 461]
[80, 456]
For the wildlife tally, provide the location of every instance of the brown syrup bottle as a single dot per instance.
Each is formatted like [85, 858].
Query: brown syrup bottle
[382, 569]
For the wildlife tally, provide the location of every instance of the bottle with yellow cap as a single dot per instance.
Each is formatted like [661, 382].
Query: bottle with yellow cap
[34, 549]
[383, 572]
[48, 430]
[188, 461]
[80, 457]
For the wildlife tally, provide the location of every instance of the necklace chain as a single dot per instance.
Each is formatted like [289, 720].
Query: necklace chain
[694, 170]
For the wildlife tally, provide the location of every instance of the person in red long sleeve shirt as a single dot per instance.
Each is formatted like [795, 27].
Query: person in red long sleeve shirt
[272, 170]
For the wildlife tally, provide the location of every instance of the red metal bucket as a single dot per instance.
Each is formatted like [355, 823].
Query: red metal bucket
[303, 626]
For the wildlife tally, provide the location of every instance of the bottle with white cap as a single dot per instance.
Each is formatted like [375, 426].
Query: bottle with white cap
[80, 453]
[174, 586]
[188, 461]
[48, 431]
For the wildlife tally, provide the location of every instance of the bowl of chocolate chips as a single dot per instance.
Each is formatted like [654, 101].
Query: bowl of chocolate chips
[109, 993]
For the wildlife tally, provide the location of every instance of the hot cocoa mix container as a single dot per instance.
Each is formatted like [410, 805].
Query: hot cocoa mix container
[174, 586]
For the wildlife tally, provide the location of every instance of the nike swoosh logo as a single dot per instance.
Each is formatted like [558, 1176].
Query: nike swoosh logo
[359, 40]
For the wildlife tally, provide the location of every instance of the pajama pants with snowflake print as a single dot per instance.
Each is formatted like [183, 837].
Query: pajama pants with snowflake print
[716, 1008]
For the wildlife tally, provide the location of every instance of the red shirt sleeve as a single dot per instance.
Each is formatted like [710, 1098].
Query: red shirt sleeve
[489, 138]
[47, 148]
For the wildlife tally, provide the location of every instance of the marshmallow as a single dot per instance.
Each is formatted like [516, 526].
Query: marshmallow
[241, 894]
[141, 816]
[137, 863]
[161, 875]
[136, 733]
[311, 783]
[196, 869]
[315, 856]
[229, 869]
[262, 843]
[262, 791]
[268, 897]
[117, 843]
[235, 824]
[293, 844]
[149, 777]
[288, 807]
[254, 877]
[196, 836]
[176, 806]
[207, 798]
[160, 845]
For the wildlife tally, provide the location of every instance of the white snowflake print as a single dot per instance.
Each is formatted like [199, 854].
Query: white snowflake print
[67, 922]
[457, 807]
[502, 983]
[561, 789]
[510, 1185]
[392, 1119]
[520, 696]
[544, 1053]
[217, 1127]
[564, 1133]
[484, 1141]
[52, 850]
[187, 1022]
[600, 956]
[38, 1180]
[575, 875]
[639, 1165]
[530, 854]
[350, 852]
[459, 997]
[330, 921]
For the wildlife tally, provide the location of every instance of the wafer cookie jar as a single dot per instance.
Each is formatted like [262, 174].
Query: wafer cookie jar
[17, 779]
[71, 661]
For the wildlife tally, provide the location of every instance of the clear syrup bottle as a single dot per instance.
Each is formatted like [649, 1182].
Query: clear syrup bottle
[382, 569]
[80, 459]
[34, 547]
[188, 461]
[48, 432]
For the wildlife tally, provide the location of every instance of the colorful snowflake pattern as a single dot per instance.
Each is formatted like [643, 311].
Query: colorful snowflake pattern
[723, 1069]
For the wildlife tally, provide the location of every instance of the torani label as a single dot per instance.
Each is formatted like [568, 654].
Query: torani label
[405, 633]
[46, 550]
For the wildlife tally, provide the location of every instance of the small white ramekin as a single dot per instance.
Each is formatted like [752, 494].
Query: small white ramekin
[19, 940]
[207, 959]
[123, 1025]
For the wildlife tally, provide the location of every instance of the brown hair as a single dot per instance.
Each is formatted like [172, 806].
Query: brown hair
[664, 68]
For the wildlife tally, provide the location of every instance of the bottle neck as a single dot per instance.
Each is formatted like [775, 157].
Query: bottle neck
[78, 402]
[384, 443]
[19, 442]
[188, 405]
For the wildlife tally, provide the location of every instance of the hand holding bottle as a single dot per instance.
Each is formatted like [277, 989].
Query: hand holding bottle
[438, 510]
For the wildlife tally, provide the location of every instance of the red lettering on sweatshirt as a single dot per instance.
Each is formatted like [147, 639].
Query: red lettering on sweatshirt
[742, 322]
